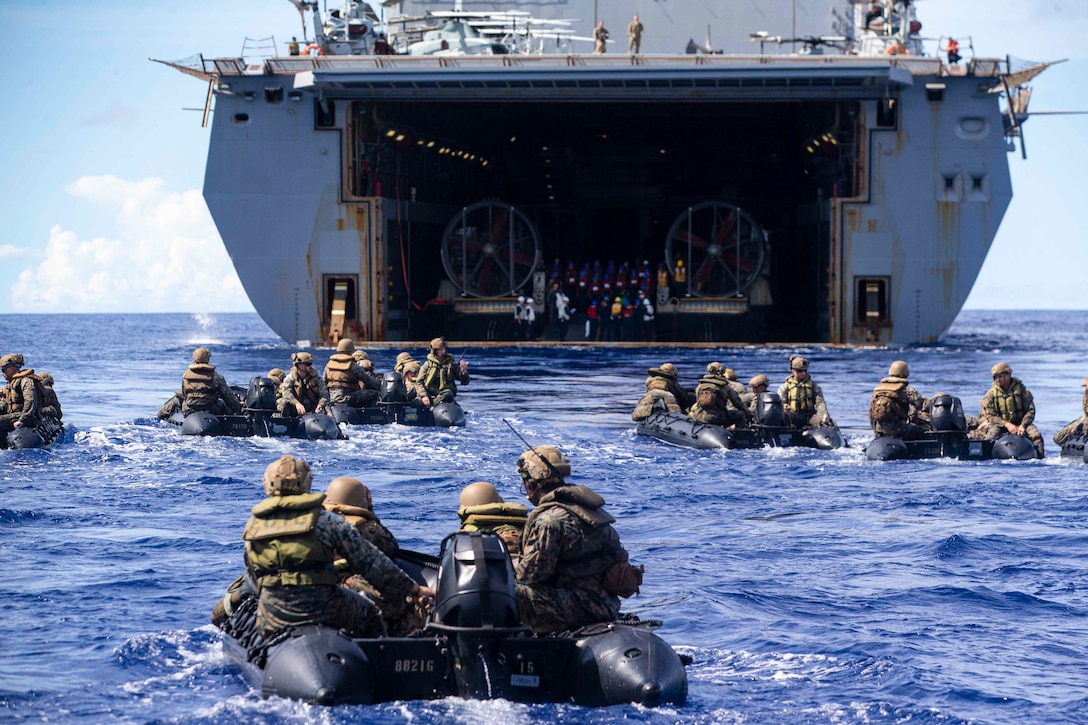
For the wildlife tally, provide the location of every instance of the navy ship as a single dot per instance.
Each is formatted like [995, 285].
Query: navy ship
[818, 177]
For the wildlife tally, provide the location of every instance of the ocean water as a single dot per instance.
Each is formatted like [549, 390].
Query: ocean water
[809, 586]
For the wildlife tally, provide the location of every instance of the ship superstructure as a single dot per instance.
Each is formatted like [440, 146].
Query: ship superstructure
[822, 196]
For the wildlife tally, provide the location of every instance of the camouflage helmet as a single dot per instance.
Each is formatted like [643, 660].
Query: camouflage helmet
[347, 491]
[999, 368]
[438, 342]
[730, 374]
[668, 370]
[286, 477]
[360, 355]
[366, 364]
[46, 379]
[899, 369]
[798, 363]
[302, 357]
[543, 463]
[12, 359]
[202, 355]
[346, 344]
[478, 494]
[758, 380]
[715, 368]
[277, 375]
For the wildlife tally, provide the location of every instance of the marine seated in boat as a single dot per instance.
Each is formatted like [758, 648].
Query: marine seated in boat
[573, 569]
[439, 375]
[291, 547]
[348, 383]
[803, 399]
[302, 391]
[896, 409]
[1008, 408]
[717, 402]
[25, 419]
[1078, 427]
[203, 389]
[661, 384]
[481, 508]
[758, 384]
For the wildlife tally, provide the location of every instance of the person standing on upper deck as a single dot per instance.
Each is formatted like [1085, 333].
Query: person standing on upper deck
[600, 38]
[634, 37]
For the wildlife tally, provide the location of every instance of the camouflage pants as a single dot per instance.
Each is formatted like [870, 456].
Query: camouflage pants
[1069, 430]
[647, 403]
[718, 416]
[991, 432]
[401, 617]
[556, 609]
[803, 420]
[331, 606]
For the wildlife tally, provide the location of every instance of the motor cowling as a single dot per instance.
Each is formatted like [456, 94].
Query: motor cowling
[261, 394]
[946, 414]
[393, 390]
[770, 411]
[475, 583]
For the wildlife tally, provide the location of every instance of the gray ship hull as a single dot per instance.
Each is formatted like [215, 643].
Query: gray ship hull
[822, 198]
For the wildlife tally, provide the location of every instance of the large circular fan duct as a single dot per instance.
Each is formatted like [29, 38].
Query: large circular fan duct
[722, 247]
[490, 249]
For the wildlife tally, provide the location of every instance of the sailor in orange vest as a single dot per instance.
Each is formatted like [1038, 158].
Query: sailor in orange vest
[680, 274]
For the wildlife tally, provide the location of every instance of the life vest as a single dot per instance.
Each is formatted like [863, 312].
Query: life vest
[437, 375]
[338, 372]
[1010, 405]
[680, 274]
[617, 310]
[887, 403]
[662, 277]
[491, 516]
[306, 390]
[800, 395]
[15, 396]
[599, 545]
[198, 387]
[282, 548]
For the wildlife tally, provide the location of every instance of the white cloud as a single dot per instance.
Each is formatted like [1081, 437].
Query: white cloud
[10, 251]
[166, 257]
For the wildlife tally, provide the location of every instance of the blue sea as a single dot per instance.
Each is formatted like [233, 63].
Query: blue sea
[809, 586]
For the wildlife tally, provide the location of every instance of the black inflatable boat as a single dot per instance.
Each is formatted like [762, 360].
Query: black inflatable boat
[769, 429]
[47, 433]
[473, 646]
[258, 418]
[948, 439]
[1075, 448]
[393, 407]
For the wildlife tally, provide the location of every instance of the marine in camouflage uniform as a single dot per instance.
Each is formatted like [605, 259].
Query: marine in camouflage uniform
[895, 408]
[439, 375]
[1008, 408]
[347, 381]
[716, 401]
[569, 550]
[661, 385]
[303, 390]
[803, 399]
[1077, 427]
[756, 385]
[291, 546]
[348, 497]
[204, 389]
[50, 402]
[403, 358]
[22, 398]
[481, 508]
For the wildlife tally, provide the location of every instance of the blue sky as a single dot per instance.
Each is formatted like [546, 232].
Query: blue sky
[101, 195]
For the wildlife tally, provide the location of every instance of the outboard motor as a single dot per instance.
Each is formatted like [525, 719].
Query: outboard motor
[946, 414]
[476, 607]
[393, 389]
[261, 395]
[476, 583]
[771, 411]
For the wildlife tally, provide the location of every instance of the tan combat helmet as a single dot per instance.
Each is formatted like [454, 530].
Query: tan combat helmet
[12, 359]
[46, 379]
[302, 357]
[667, 370]
[288, 476]
[715, 368]
[346, 491]
[346, 344]
[899, 369]
[543, 463]
[758, 380]
[202, 355]
[798, 363]
[730, 375]
[437, 343]
[479, 494]
[277, 375]
[999, 368]
[360, 355]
